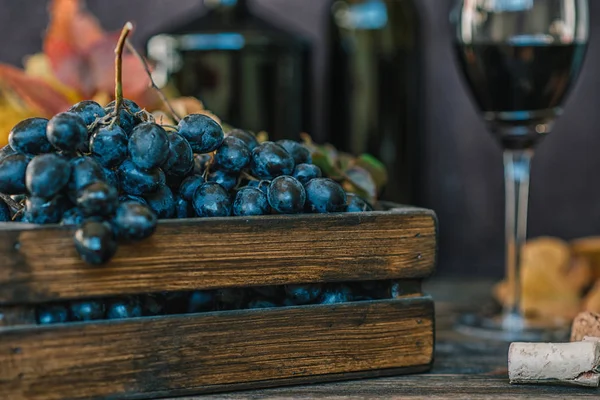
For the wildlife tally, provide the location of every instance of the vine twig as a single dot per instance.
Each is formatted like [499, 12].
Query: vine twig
[10, 202]
[153, 84]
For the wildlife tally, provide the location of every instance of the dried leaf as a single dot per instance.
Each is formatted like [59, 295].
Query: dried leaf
[30, 93]
[375, 168]
[262, 136]
[321, 160]
[38, 65]
[23, 96]
[81, 55]
[361, 179]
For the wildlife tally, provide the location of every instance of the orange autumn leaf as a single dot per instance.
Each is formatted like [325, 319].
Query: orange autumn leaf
[23, 96]
[81, 54]
[30, 92]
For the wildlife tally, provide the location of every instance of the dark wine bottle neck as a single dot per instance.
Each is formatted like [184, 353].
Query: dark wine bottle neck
[233, 7]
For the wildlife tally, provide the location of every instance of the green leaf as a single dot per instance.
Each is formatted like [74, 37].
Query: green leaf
[322, 161]
[375, 168]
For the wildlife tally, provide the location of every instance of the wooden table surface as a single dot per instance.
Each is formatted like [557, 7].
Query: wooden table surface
[464, 368]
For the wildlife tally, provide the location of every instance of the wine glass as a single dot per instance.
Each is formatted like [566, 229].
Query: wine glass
[519, 58]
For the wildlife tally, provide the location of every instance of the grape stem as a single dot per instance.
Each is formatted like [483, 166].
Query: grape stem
[207, 166]
[11, 203]
[170, 127]
[119, 71]
[249, 177]
[153, 84]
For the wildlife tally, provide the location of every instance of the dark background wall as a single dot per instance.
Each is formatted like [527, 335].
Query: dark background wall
[463, 181]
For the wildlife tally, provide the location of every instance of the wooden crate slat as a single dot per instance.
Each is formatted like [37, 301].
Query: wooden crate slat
[151, 357]
[40, 263]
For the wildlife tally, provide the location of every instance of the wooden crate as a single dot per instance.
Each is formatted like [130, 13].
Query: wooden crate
[151, 357]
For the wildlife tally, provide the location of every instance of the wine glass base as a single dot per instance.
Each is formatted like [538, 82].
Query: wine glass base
[512, 328]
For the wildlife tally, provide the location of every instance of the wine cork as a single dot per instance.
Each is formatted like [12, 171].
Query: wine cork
[585, 324]
[574, 363]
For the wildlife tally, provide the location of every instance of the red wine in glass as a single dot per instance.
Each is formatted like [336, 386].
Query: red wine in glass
[519, 85]
[519, 58]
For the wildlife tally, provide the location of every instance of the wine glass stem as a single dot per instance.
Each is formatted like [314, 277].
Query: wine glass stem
[517, 165]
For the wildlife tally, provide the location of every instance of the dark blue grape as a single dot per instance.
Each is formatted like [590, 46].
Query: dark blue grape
[245, 136]
[233, 155]
[226, 179]
[98, 200]
[201, 300]
[136, 181]
[108, 145]
[336, 294]
[72, 216]
[153, 304]
[124, 308]
[272, 292]
[303, 294]
[88, 110]
[12, 174]
[46, 175]
[270, 160]
[126, 120]
[129, 197]
[5, 214]
[261, 303]
[52, 314]
[361, 292]
[355, 203]
[250, 201]
[306, 172]
[286, 195]
[202, 132]
[262, 185]
[212, 200]
[180, 160]
[67, 132]
[183, 208]
[176, 302]
[162, 202]
[174, 182]
[95, 242]
[200, 161]
[189, 185]
[131, 106]
[43, 211]
[110, 177]
[6, 151]
[324, 195]
[148, 145]
[297, 150]
[84, 171]
[230, 298]
[29, 137]
[87, 310]
[134, 221]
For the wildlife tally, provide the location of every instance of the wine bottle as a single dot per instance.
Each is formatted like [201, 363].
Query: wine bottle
[248, 72]
[376, 88]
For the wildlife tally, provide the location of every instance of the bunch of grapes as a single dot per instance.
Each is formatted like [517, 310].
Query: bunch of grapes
[201, 301]
[115, 171]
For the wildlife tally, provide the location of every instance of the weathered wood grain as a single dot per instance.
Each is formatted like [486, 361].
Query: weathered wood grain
[150, 357]
[40, 263]
[465, 368]
[413, 387]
